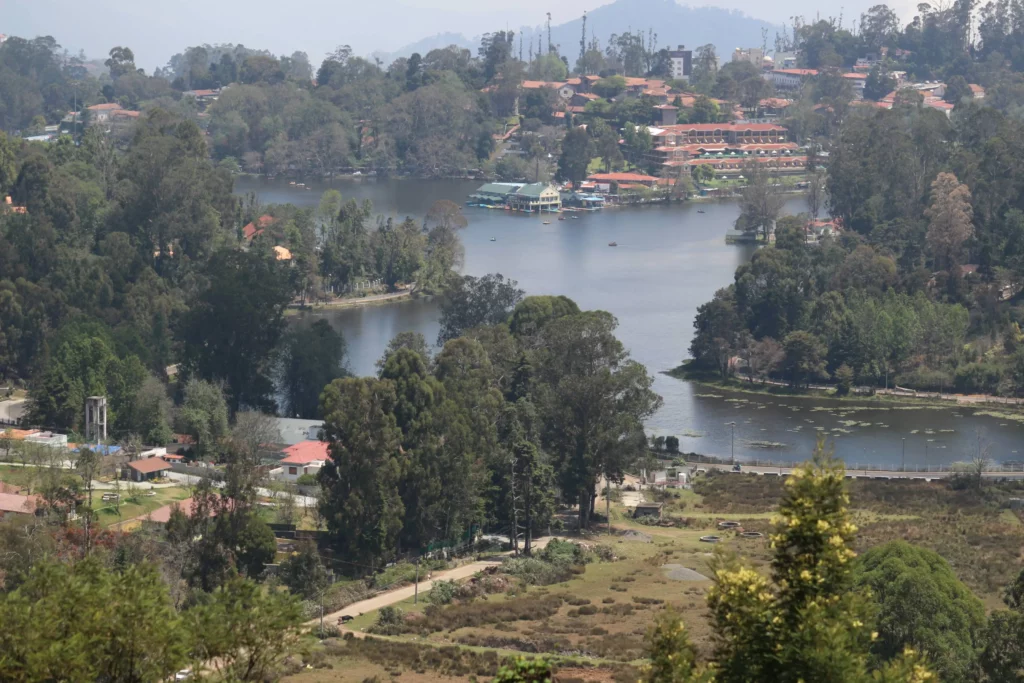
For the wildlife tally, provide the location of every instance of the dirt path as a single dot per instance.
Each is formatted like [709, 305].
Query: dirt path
[406, 592]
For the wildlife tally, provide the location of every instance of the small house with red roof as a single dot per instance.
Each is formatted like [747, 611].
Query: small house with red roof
[17, 504]
[305, 457]
[147, 469]
[256, 227]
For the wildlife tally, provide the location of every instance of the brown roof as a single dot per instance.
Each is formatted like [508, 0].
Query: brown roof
[149, 465]
[106, 106]
[12, 502]
[250, 231]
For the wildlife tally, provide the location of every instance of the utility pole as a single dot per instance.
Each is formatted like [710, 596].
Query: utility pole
[583, 46]
[732, 443]
[416, 590]
[322, 588]
[549, 32]
[903, 458]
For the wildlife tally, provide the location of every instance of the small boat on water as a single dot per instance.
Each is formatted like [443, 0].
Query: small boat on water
[700, 210]
[613, 244]
[575, 217]
[547, 222]
[561, 218]
[494, 239]
[292, 182]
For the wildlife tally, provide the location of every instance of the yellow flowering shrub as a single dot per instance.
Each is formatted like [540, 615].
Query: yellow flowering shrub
[806, 624]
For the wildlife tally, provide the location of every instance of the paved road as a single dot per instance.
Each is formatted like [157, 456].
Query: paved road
[859, 474]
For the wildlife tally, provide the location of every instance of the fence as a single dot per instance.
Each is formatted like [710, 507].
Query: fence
[853, 468]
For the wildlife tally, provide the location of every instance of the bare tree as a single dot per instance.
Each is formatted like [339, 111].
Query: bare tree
[253, 435]
[981, 457]
[815, 193]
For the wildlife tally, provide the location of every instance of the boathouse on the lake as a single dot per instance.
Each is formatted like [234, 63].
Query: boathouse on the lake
[495, 194]
[536, 197]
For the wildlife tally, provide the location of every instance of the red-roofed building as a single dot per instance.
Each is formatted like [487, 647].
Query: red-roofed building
[733, 133]
[150, 468]
[257, 227]
[977, 91]
[16, 504]
[100, 113]
[305, 457]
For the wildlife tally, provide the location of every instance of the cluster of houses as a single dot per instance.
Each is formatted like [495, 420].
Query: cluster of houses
[113, 116]
[792, 79]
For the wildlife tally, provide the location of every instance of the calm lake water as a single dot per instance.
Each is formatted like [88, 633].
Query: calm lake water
[669, 260]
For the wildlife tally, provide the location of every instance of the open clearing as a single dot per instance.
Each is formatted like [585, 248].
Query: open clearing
[593, 626]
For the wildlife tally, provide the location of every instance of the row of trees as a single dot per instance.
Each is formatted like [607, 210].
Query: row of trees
[124, 627]
[127, 261]
[529, 400]
[929, 249]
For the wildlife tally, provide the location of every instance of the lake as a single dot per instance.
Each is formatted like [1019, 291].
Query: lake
[670, 259]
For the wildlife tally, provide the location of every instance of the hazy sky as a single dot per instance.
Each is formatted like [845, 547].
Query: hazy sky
[156, 30]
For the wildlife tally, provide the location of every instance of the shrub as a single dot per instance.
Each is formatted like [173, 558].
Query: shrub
[390, 621]
[647, 601]
[442, 592]
[587, 610]
[536, 572]
[405, 572]
[328, 631]
[567, 552]
[978, 378]
[476, 614]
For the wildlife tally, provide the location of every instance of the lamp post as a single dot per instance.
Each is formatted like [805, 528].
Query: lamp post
[903, 458]
[732, 443]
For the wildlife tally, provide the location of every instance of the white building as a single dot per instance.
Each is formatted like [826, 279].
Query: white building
[306, 457]
[682, 63]
[789, 79]
[754, 55]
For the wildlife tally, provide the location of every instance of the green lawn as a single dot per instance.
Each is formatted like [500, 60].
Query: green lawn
[25, 477]
[137, 506]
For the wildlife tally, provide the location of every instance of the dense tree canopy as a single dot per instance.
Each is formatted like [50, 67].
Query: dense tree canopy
[922, 605]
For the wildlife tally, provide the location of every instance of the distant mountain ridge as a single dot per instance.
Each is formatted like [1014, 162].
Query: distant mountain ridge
[673, 25]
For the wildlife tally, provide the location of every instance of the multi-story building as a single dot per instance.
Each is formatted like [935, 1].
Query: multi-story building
[789, 79]
[682, 63]
[754, 55]
[724, 146]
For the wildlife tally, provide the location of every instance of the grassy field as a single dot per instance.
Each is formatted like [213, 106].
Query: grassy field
[23, 477]
[593, 625]
[138, 505]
